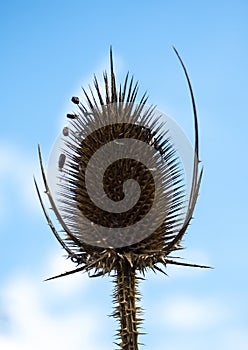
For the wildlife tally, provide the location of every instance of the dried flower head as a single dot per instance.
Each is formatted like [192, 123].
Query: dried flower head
[120, 192]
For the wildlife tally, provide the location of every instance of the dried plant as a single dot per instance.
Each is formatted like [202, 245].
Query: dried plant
[103, 241]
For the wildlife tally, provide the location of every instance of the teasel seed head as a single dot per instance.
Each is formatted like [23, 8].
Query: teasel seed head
[114, 118]
[120, 193]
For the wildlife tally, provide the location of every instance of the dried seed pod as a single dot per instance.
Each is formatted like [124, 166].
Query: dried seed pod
[75, 100]
[61, 161]
[71, 116]
[65, 131]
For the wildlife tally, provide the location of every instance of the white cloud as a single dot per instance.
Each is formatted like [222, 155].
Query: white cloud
[33, 326]
[57, 264]
[192, 314]
[234, 339]
[36, 316]
[227, 339]
[16, 172]
[193, 323]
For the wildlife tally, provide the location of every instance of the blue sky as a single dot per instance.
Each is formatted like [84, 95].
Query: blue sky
[49, 49]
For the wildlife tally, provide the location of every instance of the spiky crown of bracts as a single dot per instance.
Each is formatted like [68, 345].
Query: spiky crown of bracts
[166, 238]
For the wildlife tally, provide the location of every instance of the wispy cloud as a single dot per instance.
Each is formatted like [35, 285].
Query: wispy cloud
[192, 314]
[57, 264]
[235, 339]
[193, 323]
[28, 322]
[16, 171]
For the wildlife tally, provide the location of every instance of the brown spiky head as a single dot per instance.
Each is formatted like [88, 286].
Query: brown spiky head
[120, 190]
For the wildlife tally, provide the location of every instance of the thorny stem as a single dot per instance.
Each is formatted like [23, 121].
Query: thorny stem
[125, 297]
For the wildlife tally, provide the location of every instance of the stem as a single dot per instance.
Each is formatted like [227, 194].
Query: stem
[125, 297]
